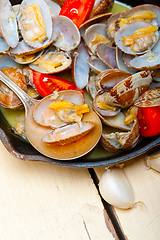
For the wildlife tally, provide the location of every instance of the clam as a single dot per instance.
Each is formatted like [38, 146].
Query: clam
[150, 98]
[24, 54]
[68, 107]
[35, 22]
[115, 141]
[136, 38]
[52, 61]
[68, 133]
[116, 121]
[7, 98]
[47, 117]
[80, 68]
[8, 23]
[123, 61]
[96, 64]
[91, 86]
[103, 110]
[108, 79]
[107, 54]
[68, 35]
[111, 25]
[145, 13]
[23, 48]
[130, 89]
[96, 34]
[149, 60]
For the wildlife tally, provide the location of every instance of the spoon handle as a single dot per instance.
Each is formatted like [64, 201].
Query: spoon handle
[22, 95]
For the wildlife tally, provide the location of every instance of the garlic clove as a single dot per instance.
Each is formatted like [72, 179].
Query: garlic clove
[116, 189]
[153, 161]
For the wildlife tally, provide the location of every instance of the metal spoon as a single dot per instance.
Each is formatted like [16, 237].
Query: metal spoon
[35, 132]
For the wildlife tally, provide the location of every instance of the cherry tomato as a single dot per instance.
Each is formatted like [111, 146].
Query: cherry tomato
[149, 120]
[77, 10]
[46, 84]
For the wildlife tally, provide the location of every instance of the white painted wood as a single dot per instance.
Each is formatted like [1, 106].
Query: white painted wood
[141, 222]
[41, 201]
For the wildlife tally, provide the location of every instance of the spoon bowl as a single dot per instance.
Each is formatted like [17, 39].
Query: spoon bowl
[36, 132]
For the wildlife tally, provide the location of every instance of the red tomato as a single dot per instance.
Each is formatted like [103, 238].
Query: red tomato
[149, 120]
[46, 84]
[77, 10]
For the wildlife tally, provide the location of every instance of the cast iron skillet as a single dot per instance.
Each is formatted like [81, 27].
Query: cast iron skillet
[23, 150]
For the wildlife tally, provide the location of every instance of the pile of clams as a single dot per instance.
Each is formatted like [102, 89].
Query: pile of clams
[114, 57]
[123, 58]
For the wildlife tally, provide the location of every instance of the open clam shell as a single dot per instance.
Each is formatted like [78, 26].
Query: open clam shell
[111, 25]
[116, 121]
[68, 133]
[47, 117]
[121, 61]
[96, 64]
[109, 79]
[33, 33]
[24, 54]
[115, 141]
[107, 54]
[103, 112]
[24, 49]
[149, 60]
[139, 9]
[80, 69]
[128, 30]
[68, 35]
[92, 38]
[8, 23]
[52, 61]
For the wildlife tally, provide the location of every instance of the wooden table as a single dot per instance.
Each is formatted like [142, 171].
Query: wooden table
[42, 201]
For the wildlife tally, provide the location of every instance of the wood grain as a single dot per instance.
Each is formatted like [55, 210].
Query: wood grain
[45, 201]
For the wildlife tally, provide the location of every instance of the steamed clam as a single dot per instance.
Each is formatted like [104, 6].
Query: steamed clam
[96, 34]
[52, 61]
[144, 13]
[69, 133]
[115, 141]
[35, 22]
[49, 117]
[63, 113]
[136, 38]
[68, 35]
[7, 98]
